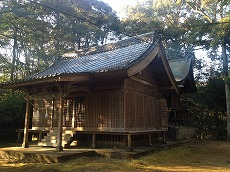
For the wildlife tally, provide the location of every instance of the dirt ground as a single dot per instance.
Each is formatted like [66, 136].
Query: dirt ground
[196, 156]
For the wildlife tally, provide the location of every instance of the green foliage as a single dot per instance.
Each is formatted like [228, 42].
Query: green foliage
[165, 17]
[211, 19]
[41, 31]
[12, 115]
[12, 109]
[207, 109]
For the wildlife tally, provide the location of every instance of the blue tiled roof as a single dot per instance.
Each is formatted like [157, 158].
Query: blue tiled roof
[116, 56]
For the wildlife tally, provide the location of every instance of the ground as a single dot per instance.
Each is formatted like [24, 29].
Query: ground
[196, 156]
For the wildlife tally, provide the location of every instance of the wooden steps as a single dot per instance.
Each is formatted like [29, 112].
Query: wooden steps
[50, 140]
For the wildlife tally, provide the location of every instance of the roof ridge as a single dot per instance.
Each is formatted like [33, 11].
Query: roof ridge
[148, 37]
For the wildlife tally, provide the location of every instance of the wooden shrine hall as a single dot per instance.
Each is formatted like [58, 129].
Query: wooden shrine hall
[112, 95]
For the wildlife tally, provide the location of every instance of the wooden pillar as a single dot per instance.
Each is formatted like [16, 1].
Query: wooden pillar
[150, 139]
[52, 116]
[25, 143]
[73, 116]
[60, 124]
[19, 135]
[129, 146]
[93, 141]
[40, 136]
[164, 137]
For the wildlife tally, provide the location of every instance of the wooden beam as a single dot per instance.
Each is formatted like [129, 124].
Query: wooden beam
[25, 143]
[143, 82]
[76, 77]
[23, 84]
[142, 64]
[167, 88]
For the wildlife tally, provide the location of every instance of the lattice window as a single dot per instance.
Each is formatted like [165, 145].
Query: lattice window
[79, 111]
[42, 112]
[68, 112]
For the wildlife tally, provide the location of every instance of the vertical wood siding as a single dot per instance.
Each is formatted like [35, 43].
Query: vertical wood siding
[143, 110]
[164, 114]
[98, 110]
[140, 112]
[104, 110]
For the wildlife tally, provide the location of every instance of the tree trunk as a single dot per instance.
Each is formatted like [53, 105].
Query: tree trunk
[14, 54]
[227, 87]
[79, 43]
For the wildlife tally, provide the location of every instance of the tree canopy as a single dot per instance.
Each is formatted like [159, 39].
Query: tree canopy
[40, 31]
[185, 25]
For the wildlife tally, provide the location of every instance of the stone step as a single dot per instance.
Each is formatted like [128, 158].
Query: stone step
[47, 144]
[55, 141]
[64, 137]
[74, 143]
[69, 131]
[51, 138]
[52, 143]
[64, 131]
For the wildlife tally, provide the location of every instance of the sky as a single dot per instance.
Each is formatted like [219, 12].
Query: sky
[119, 5]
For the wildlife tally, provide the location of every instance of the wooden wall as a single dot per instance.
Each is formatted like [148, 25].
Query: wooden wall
[162, 104]
[145, 109]
[135, 104]
[140, 106]
[104, 110]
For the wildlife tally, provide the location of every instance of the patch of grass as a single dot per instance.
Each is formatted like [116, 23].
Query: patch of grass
[83, 164]
[196, 156]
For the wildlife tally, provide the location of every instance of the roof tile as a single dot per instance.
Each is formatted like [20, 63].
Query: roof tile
[109, 57]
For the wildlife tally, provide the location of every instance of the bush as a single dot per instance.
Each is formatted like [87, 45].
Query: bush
[12, 114]
[207, 110]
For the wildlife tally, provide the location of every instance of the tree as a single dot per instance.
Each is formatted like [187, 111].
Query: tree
[214, 23]
[165, 18]
[41, 31]
[207, 111]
